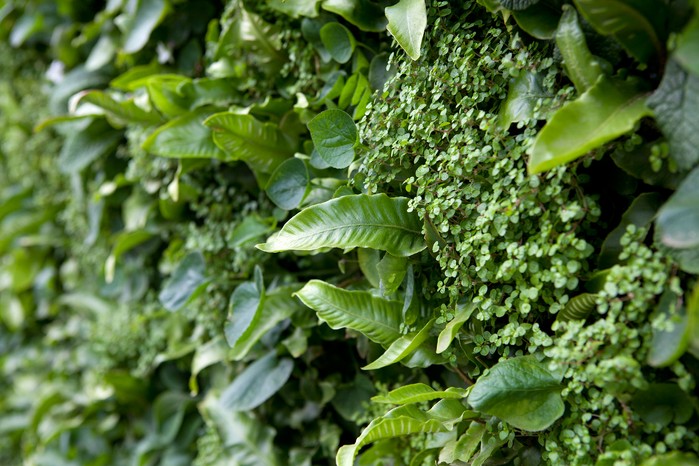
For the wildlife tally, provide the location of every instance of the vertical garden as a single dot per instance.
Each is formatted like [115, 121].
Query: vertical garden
[349, 232]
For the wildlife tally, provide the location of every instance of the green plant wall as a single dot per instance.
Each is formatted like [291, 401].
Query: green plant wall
[349, 232]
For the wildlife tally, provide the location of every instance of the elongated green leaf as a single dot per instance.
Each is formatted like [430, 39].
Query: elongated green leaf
[523, 95]
[139, 24]
[187, 278]
[123, 243]
[407, 21]
[418, 392]
[687, 45]
[368, 261]
[463, 313]
[578, 308]
[210, 353]
[124, 111]
[391, 271]
[675, 104]
[338, 40]
[257, 383]
[263, 146]
[629, 22]
[667, 346]
[606, 111]
[334, 136]
[399, 422]
[288, 184]
[402, 347]
[84, 147]
[520, 391]
[184, 137]
[678, 218]
[379, 319]
[368, 221]
[463, 448]
[244, 310]
[540, 20]
[581, 66]
[277, 306]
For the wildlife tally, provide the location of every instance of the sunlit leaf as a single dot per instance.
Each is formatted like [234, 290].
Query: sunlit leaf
[402, 347]
[138, 24]
[407, 21]
[463, 313]
[418, 392]
[365, 14]
[184, 137]
[580, 65]
[338, 40]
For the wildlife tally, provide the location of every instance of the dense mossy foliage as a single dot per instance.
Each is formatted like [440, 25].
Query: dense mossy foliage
[411, 232]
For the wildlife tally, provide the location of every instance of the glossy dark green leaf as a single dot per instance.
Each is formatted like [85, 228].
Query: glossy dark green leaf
[606, 111]
[334, 136]
[184, 137]
[661, 404]
[257, 383]
[522, 392]
[407, 21]
[365, 14]
[678, 218]
[338, 40]
[675, 104]
[82, 148]
[188, 277]
[517, 4]
[523, 95]
[288, 184]
[667, 346]
[263, 146]
[367, 221]
[640, 213]
[580, 65]
[379, 319]
[631, 23]
[379, 71]
[540, 20]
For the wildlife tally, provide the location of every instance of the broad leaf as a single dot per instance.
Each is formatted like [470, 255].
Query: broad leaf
[138, 25]
[296, 8]
[463, 448]
[678, 218]
[186, 280]
[662, 404]
[521, 391]
[517, 4]
[124, 242]
[184, 137]
[123, 111]
[463, 313]
[402, 347]
[334, 136]
[368, 221]
[368, 261]
[82, 148]
[667, 346]
[687, 45]
[676, 104]
[206, 355]
[263, 146]
[338, 41]
[606, 111]
[629, 22]
[365, 14]
[257, 383]
[540, 20]
[244, 310]
[288, 184]
[523, 96]
[391, 271]
[675, 458]
[580, 65]
[407, 21]
[379, 319]
[417, 393]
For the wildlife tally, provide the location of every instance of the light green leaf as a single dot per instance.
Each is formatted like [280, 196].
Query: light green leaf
[578, 307]
[523, 95]
[624, 21]
[243, 312]
[338, 40]
[184, 137]
[539, 21]
[391, 271]
[206, 355]
[277, 306]
[402, 347]
[186, 280]
[289, 184]
[125, 111]
[407, 21]
[417, 393]
[580, 65]
[368, 261]
[138, 25]
[521, 391]
[368, 221]
[334, 136]
[463, 313]
[257, 383]
[250, 229]
[295, 8]
[379, 319]
[263, 146]
[463, 448]
[675, 458]
[678, 218]
[606, 111]
[365, 14]
[401, 421]
[687, 45]
[675, 104]
[81, 148]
